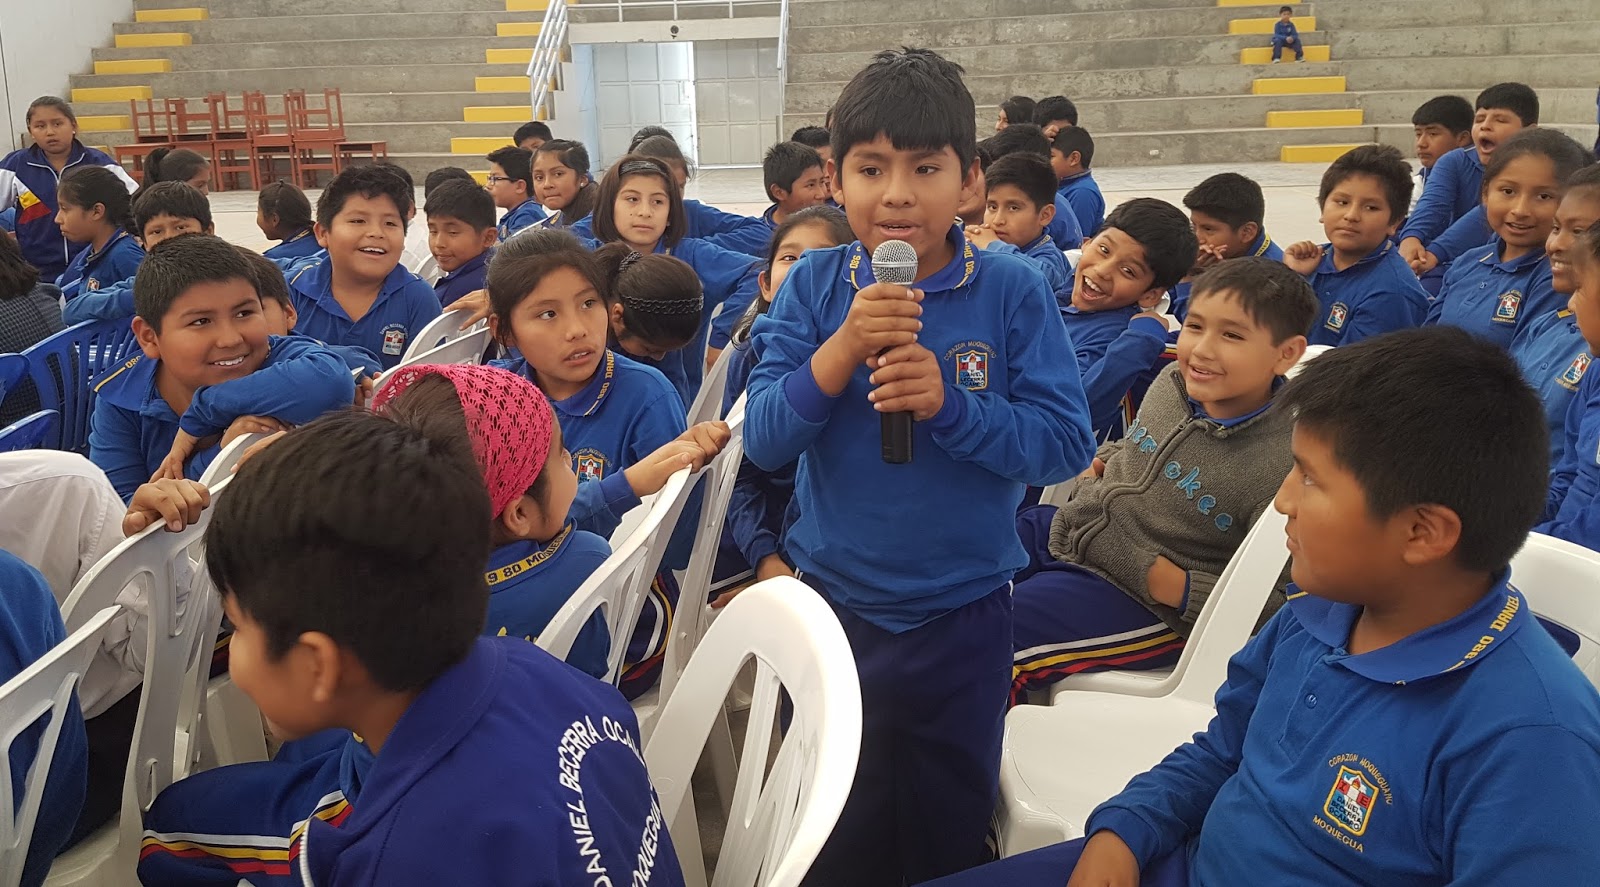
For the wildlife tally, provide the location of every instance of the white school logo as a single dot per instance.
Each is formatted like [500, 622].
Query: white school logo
[1505, 310]
[394, 339]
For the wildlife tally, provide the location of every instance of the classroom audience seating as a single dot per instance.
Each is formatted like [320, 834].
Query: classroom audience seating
[64, 369]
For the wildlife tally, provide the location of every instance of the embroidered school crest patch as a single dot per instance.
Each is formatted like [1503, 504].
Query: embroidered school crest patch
[1506, 309]
[589, 465]
[92, 285]
[1336, 316]
[1349, 803]
[972, 370]
[1573, 374]
[394, 339]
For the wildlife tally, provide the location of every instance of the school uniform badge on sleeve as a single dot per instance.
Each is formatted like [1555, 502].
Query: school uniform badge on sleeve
[1349, 803]
[589, 465]
[1573, 374]
[1507, 307]
[394, 339]
[1336, 316]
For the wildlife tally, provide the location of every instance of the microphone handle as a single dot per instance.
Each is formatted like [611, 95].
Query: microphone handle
[896, 432]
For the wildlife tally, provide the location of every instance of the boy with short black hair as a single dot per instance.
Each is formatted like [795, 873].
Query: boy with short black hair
[208, 368]
[794, 178]
[1449, 219]
[1441, 124]
[511, 186]
[163, 211]
[1028, 138]
[1362, 281]
[1017, 109]
[1229, 212]
[444, 174]
[529, 136]
[1018, 207]
[1362, 733]
[1284, 33]
[817, 139]
[359, 294]
[278, 306]
[304, 542]
[1071, 153]
[461, 236]
[1054, 114]
[1117, 581]
[976, 353]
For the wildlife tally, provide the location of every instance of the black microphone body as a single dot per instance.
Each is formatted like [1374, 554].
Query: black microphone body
[895, 261]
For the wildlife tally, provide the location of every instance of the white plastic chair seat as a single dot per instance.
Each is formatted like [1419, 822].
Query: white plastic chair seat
[465, 349]
[1097, 742]
[1560, 580]
[1150, 682]
[444, 328]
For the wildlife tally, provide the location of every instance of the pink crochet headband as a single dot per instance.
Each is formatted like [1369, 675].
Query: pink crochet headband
[509, 422]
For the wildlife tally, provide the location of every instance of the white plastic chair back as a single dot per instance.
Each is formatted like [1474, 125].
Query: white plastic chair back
[440, 330]
[1312, 353]
[619, 587]
[1561, 581]
[222, 466]
[185, 615]
[707, 406]
[467, 349]
[780, 817]
[44, 688]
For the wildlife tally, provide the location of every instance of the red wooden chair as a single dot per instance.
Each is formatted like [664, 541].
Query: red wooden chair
[151, 130]
[269, 136]
[193, 130]
[317, 133]
[232, 146]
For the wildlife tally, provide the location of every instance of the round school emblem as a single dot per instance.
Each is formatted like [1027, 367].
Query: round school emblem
[1336, 316]
[1507, 307]
[394, 339]
[589, 465]
[1349, 803]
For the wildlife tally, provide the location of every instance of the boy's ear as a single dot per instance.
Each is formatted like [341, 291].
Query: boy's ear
[777, 194]
[1047, 214]
[973, 176]
[1290, 351]
[1075, 159]
[1152, 297]
[1248, 232]
[322, 664]
[290, 315]
[1431, 533]
[209, 229]
[1463, 138]
[489, 236]
[320, 233]
[830, 171]
[147, 337]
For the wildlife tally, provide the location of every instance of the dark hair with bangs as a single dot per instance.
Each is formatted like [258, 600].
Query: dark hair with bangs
[522, 263]
[913, 97]
[605, 203]
[1566, 156]
[1269, 292]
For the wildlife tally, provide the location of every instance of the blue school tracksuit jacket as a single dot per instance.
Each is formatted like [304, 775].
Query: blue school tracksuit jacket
[132, 428]
[1454, 187]
[1496, 299]
[1262, 247]
[463, 280]
[526, 213]
[1554, 359]
[529, 581]
[1013, 416]
[28, 182]
[294, 247]
[30, 625]
[1044, 255]
[754, 239]
[1456, 755]
[1378, 294]
[404, 306]
[1064, 229]
[759, 510]
[1113, 350]
[1082, 193]
[706, 220]
[91, 269]
[1572, 508]
[726, 278]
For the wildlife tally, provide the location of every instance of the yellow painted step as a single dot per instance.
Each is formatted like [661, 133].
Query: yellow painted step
[1298, 85]
[508, 56]
[518, 29]
[502, 84]
[111, 93]
[481, 176]
[1265, 25]
[496, 113]
[103, 122]
[1313, 153]
[479, 145]
[1307, 119]
[526, 6]
[1230, 3]
[189, 14]
[1261, 55]
[130, 41]
[134, 66]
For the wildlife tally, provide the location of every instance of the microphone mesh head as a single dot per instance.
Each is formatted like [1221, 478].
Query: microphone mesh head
[894, 261]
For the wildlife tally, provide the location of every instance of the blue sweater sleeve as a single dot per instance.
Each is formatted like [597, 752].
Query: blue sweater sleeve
[113, 302]
[599, 505]
[1165, 806]
[1039, 433]
[777, 429]
[115, 446]
[1563, 473]
[300, 381]
[1467, 233]
[1451, 278]
[1133, 352]
[1382, 312]
[1435, 209]
[733, 309]
[751, 239]
[722, 272]
[706, 220]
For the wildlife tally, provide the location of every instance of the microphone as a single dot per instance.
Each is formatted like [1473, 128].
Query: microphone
[894, 261]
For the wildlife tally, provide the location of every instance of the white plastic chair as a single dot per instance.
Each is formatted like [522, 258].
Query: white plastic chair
[781, 817]
[467, 349]
[222, 466]
[707, 404]
[1043, 802]
[444, 328]
[1312, 353]
[185, 613]
[1560, 581]
[46, 687]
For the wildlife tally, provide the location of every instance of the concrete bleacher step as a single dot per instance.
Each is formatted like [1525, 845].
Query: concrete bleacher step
[1264, 26]
[149, 39]
[259, 8]
[134, 66]
[331, 53]
[1262, 55]
[403, 78]
[290, 29]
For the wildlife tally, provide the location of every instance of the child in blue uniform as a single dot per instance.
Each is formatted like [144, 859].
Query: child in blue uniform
[530, 767]
[1117, 576]
[284, 214]
[622, 421]
[795, 178]
[699, 219]
[758, 511]
[1284, 33]
[163, 211]
[1071, 152]
[1498, 289]
[1572, 508]
[1144, 248]
[511, 186]
[29, 178]
[278, 306]
[1364, 285]
[208, 368]
[1019, 205]
[654, 302]
[1441, 124]
[640, 204]
[1447, 219]
[1404, 719]
[1029, 138]
[359, 294]
[461, 237]
[94, 209]
[917, 558]
[1228, 212]
[563, 182]
[1550, 350]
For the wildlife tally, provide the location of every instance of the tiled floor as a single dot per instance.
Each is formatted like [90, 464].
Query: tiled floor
[1291, 191]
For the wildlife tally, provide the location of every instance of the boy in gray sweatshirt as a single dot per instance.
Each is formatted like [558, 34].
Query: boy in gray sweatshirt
[1119, 574]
